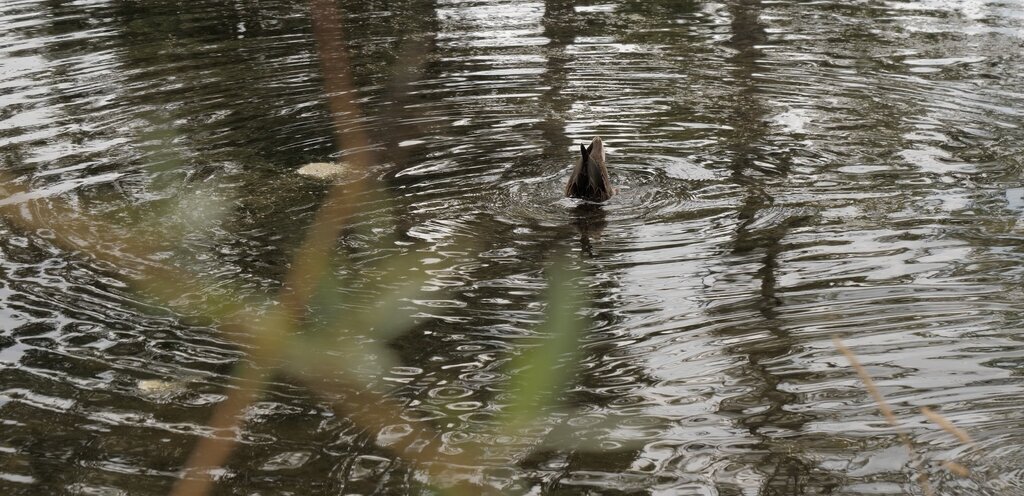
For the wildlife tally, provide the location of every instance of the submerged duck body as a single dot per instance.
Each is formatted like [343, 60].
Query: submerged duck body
[589, 180]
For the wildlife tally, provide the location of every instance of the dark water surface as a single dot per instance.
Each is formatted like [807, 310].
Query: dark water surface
[789, 171]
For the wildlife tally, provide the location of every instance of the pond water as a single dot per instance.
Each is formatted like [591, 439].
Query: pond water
[788, 171]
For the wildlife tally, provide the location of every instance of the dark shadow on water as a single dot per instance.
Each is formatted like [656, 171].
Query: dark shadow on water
[590, 220]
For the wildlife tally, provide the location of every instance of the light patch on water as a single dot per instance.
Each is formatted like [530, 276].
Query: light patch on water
[492, 24]
[17, 478]
[864, 169]
[933, 159]
[604, 8]
[1015, 198]
[38, 400]
[796, 120]
[953, 201]
[681, 168]
[943, 62]
[287, 461]
[27, 119]
[60, 188]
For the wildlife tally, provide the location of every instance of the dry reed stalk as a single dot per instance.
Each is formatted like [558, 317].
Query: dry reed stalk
[890, 417]
[368, 410]
[948, 426]
[957, 469]
[313, 258]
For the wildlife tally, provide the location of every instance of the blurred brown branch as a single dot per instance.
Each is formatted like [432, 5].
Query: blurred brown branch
[311, 260]
[270, 337]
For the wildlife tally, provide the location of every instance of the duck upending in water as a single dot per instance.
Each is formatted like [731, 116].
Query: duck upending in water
[589, 180]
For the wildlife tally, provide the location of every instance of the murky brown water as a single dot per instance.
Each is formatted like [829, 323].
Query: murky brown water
[789, 171]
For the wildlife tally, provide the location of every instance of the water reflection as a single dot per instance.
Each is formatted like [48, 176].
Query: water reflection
[760, 233]
[789, 171]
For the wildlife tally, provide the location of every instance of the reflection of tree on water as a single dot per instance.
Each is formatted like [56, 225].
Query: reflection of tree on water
[561, 25]
[593, 391]
[755, 170]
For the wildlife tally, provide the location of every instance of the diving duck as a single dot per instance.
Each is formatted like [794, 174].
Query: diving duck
[589, 180]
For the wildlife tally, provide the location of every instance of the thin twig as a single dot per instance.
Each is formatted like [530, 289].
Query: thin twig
[890, 417]
[213, 451]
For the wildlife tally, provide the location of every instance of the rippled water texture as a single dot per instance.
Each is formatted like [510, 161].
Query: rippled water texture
[788, 171]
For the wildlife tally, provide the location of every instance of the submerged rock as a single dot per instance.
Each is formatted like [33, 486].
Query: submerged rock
[322, 170]
[161, 388]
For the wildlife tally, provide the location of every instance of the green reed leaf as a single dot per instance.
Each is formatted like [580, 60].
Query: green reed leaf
[541, 373]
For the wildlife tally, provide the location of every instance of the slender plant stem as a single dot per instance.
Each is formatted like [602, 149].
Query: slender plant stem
[887, 412]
